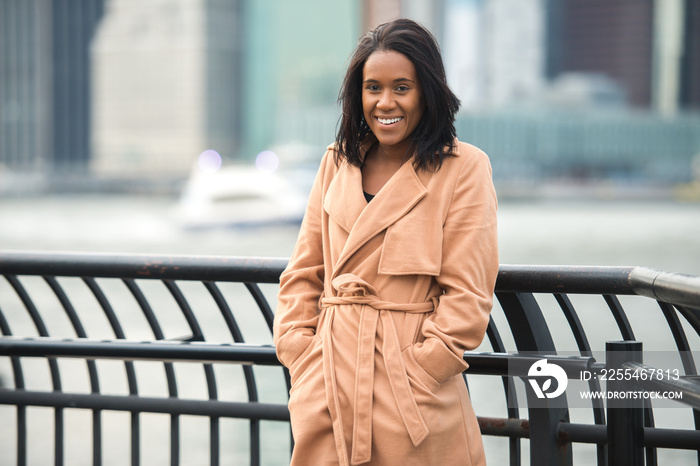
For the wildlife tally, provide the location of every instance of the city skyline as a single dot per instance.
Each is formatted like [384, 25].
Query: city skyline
[126, 89]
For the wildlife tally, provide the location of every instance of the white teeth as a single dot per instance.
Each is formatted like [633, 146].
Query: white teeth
[388, 122]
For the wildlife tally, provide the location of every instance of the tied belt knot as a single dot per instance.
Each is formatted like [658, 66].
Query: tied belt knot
[351, 289]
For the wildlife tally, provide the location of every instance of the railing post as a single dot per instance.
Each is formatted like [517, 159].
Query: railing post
[625, 413]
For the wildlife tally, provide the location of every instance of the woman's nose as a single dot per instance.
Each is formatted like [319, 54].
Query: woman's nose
[386, 101]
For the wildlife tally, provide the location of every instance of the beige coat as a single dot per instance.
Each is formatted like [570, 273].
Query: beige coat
[376, 308]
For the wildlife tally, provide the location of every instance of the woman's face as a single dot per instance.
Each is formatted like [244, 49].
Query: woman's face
[392, 98]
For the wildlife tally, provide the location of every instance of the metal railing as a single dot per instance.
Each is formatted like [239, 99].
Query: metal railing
[199, 329]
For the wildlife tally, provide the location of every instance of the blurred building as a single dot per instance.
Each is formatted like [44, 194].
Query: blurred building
[166, 85]
[611, 38]
[295, 60]
[650, 48]
[45, 114]
[690, 90]
[494, 51]
[573, 53]
[176, 78]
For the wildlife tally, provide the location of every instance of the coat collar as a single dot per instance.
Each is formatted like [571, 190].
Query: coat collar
[345, 201]
[346, 205]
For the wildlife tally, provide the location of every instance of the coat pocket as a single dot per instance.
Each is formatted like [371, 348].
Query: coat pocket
[416, 372]
[300, 364]
[293, 344]
[413, 246]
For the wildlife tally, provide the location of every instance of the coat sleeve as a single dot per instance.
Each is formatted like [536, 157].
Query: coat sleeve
[301, 283]
[467, 275]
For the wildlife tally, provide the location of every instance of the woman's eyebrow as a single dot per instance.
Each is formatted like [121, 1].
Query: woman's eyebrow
[370, 80]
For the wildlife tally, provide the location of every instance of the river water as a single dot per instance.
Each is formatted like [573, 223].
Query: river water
[662, 235]
[657, 234]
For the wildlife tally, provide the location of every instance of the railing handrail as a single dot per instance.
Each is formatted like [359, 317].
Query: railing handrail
[619, 280]
[147, 266]
[674, 288]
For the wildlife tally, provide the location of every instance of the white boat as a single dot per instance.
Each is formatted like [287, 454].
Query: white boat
[240, 196]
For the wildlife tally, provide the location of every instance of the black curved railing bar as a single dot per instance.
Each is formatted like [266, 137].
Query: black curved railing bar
[269, 317]
[249, 376]
[682, 345]
[584, 347]
[508, 387]
[38, 324]
[116, 327]
[153, 323]
[21, 411]
[531, 333]
[692, 316]
[618, 312]
[682, 291]
[574, 322]
[196, 334]
[195, 330]
[262, 303]
[53, 367]
[679, 336]
[68, 308]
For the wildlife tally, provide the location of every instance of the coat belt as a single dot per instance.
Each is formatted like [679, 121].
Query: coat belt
[352, 289]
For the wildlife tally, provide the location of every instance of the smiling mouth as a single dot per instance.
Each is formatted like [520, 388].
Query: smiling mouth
[389, 121]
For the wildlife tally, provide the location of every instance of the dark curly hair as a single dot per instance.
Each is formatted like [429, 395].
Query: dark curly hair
[433, 139]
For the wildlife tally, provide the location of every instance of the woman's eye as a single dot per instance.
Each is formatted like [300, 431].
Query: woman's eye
[402, 88]
[372, 87]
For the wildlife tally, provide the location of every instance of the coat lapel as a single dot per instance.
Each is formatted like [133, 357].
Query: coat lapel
[344, 200]
[346, 205]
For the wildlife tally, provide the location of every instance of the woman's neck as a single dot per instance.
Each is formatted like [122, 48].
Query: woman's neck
[379, 166]
[391, 155]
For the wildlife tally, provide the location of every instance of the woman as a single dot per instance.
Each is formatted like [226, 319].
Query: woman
[393, 273]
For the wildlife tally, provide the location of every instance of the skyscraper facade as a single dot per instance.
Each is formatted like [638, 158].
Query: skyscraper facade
[45, 115]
